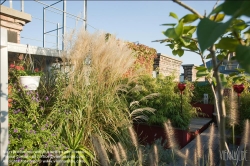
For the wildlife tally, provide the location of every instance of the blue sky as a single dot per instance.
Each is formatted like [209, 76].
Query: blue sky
[128, 20]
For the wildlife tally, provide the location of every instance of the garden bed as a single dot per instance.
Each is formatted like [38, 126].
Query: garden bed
[148, 134]
[206, 109]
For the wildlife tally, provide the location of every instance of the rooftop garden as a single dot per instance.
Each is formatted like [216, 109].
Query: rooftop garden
[84, 110]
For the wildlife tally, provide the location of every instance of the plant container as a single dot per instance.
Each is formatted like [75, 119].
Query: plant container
[30, 82]
[148, 134]
[206, 109]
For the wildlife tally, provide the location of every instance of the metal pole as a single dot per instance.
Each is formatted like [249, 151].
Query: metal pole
[53, 4]
[22, 5]
[64, 22]
[10, 3]
[181, 102]
[58, 10]
[85, 14]
[239, 106]
[57, 41]
[43, 27]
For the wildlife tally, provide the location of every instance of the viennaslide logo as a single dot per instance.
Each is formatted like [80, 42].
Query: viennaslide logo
[235, 155]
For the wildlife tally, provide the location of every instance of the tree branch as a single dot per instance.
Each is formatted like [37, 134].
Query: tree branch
[238, 38]
[190, 51]
[162, 40]
[216, 4]
[185, 37]
[218, 65]
[188, 8]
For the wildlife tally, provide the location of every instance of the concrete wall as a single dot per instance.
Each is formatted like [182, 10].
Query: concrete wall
[167, 65]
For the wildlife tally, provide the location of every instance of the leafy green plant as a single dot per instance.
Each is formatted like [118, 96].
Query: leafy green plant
[76, 153]
[200, 90]
[144, 57]
[90, 92]
[166, 103]
[227, 37]
[29, 130]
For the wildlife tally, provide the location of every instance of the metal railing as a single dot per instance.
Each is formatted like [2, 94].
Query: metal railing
[51, 7]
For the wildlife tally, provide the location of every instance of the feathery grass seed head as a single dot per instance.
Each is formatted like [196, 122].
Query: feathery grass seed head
[122, 151]
[133, 136]
[170, 135]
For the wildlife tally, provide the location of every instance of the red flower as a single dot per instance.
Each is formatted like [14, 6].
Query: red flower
[36, 70]
[9, 102]
[19, 67]
[12, 66]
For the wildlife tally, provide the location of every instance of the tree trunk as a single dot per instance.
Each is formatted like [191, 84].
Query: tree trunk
[221, 106]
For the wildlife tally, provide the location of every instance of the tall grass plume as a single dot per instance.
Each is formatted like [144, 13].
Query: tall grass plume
[170, 135]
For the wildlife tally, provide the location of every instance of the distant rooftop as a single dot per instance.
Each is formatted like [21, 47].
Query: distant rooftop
[159, 54]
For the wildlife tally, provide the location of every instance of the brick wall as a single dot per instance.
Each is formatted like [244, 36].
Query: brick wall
[190, 73]
[167, 65]
[13, 21]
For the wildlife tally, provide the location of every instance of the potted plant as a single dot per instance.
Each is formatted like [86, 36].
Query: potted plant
[28, 76]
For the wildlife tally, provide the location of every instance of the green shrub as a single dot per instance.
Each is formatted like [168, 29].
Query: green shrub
[167, 103]
[30, 134]
[199, 90]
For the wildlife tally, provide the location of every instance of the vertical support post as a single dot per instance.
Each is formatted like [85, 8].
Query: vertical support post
[22, 5]
[64, 23]
[43, 27]
[85, 14]
[239, 105]
[57, 39]
[181, 102]
[4, 98]
[10, 1]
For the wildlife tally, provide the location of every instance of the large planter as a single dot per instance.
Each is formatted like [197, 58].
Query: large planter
[206, 109]
[30, 82]
[148, 134]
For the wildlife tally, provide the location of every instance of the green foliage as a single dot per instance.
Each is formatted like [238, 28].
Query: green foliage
[205, 28]
[238, 77]
[167, 104]
[227, 43]
[189, 18]
[243, 56]
[144, 57]
[164, 155]
[227, 36]
[200, 90]
[76, 153]
[31, 135]
[244, 107]
[217, 17]
[221, 39]
[173, 15]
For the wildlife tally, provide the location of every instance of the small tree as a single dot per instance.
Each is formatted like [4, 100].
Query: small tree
[220, 38]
